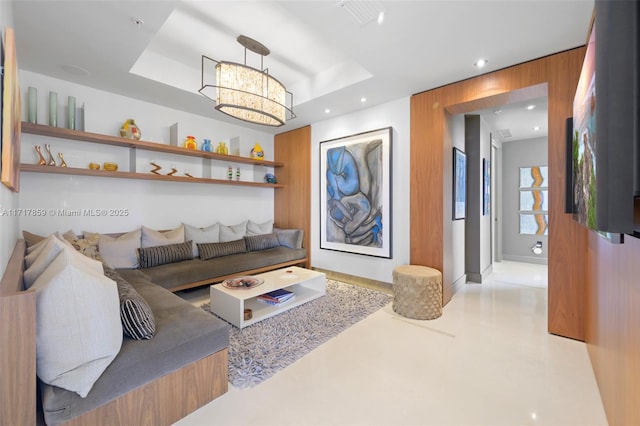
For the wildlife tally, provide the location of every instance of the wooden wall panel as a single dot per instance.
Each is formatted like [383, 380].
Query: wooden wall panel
[292, 204]
[431, 152]
[613, 325]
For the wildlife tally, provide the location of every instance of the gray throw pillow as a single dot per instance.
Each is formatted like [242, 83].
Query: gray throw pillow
[262, 242]
[137, 318]
[211, 250]
[160, 255]
[291, 238]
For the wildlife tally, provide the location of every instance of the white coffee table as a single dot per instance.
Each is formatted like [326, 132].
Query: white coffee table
[230, 303]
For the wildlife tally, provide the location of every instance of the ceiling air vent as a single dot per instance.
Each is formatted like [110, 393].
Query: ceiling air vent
[362, 11]
[505, 133]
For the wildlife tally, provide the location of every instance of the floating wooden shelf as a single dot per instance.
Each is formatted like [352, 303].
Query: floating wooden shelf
[88, 137]
[37, 168]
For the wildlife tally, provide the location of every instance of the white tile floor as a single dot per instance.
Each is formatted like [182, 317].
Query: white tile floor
[487, 361]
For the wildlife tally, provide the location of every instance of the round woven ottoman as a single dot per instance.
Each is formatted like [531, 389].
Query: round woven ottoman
[417, 292]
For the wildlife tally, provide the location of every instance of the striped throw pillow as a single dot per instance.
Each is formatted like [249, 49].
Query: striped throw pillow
[136, 315]
[159, 255]
[262, 242]
[211, 250]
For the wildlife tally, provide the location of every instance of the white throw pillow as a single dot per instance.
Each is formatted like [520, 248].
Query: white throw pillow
[78, 327]
[232, 233]
[259, 228]
[121, 252]
[153, 238]
[210, 234]
[40, 257]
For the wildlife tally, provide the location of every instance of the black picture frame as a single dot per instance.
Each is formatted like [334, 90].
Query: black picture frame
[459, 192]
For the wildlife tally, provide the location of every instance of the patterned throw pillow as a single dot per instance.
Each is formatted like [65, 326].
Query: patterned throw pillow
[211, 250]
[136, 315]
[87, 246]
[262, 242]
[160, 255]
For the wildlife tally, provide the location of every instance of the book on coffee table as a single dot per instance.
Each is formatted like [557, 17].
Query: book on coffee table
[276, 296]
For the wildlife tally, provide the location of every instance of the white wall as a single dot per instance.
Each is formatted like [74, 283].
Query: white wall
[395, 114]
[160, 205]
[8, 199]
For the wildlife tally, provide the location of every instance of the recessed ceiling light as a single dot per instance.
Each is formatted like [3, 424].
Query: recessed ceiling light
[380, 18]
[497, 112]
[363, 99]
[327, 111]
[480, 63]
[530, 107]
[137, 21]
[536, 128]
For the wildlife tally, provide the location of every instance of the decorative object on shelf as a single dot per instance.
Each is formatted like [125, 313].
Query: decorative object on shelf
[247, 93]
[41, 160]
[53, 109]
[270, 178]
[257, 153]
[156, 168]
[186, 173]
[62, 162]
[248, 314]
[173, 171]
[206, 145]
[94, 166]
[238, 173]
[71, 112]
[52, 161]
[222, 148]
[32, 105]
[190, 143]
[230, 173]
[110, 167]
[130, 130]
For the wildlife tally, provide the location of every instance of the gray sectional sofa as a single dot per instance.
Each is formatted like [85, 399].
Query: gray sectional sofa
[183, 364]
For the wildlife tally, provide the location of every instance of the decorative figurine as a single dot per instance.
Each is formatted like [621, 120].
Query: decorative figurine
[94, 166]
[155, 169]
[230, 173]
[206, 145]
[186, 173]
[257, 153]
[130, 130]
[172, 172]
[238, 174]
[190, 143]
[270, 178]
[51, 161]
[110, 167]
[222, 148]
[42, 161]
[62, 162]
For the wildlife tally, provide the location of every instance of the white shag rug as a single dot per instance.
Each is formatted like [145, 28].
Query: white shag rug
[260, 350]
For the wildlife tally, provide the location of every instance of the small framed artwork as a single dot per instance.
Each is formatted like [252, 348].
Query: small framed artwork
[486, 185]
[459, 184]
[355, 193]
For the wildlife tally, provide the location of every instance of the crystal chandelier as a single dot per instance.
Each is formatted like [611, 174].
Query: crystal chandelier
[248, 93]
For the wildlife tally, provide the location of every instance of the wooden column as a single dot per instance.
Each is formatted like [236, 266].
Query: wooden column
[292, 204]
[431, 152]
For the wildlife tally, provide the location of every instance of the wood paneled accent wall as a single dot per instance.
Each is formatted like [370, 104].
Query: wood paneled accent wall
[613, 325]
[292, 204]
[431, 157]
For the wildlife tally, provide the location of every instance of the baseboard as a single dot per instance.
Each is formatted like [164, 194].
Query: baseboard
[480, 278]
[526, 259]
[457, 285]
[360, 281]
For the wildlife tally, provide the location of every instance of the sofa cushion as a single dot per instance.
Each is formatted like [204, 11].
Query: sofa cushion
[209, 234]
[78, 329]
[233, 232]
[291, 238]
[211, 250]
[153, 238]
[31, 239]
[87, 246]
[262, 242]
[169, 253]
[40, 258]
[120, 252]
[135, 314]
[254, 228]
